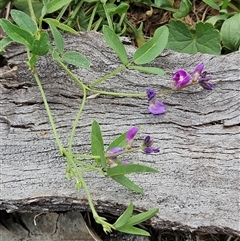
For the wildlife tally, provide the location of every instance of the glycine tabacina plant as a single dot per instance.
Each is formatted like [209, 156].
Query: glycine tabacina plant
[109, 161]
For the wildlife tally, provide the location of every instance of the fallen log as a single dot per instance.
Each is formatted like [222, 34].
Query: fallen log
[197, 187]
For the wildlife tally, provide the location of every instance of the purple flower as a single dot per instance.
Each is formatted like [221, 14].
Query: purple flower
[113, 151]
[155, 107]
[147, 146]
[181, 78]
[149, 150]
[125, 162]
[130, 136]
[197, 72]
[151, 94]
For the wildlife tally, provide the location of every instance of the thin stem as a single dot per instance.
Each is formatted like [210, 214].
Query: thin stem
[73, 76]
[31, 11]
[76, 120]
[109, 20]
[107, 76]
[48, 112]
[120, 94]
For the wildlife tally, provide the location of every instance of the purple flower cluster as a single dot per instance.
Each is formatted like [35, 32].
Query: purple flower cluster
[115, 151]
[182, 78]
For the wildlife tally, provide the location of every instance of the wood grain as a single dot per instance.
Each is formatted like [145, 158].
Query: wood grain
[197, 187]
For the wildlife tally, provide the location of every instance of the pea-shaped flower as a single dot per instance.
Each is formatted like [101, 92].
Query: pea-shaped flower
[155, 107]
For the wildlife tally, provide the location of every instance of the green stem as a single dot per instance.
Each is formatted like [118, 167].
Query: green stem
[31, 11]
[48, 112]
[107, 76]
[120, 94]
[73, 76]
[77, 119]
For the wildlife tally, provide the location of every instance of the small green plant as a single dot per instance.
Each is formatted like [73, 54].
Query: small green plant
[106, 160]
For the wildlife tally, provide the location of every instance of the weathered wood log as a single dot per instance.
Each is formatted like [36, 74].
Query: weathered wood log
[197, 187]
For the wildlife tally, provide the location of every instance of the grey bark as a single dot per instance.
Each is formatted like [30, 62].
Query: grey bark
[197, 187]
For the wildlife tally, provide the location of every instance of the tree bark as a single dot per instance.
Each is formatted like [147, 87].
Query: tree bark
[197, 187]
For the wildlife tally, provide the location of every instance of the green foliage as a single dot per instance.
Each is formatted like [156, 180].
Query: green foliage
[126, 222]
[184, 9]
[97, 144]
[151, 49]
[75, 58]
[120, 141]
[16, 33]
[126, 182]
[230, 32]
[113, 41]
[24, 21]
[204, 38]
[128, 169]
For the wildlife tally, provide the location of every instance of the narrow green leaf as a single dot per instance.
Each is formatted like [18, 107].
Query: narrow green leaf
[76, 59]
[57, 38]
[40, 46]
[114, 42]
[4, 42]
[17, 34]
[121, 221]
[141, 217]
[120, 141]
[212, 4]
[149, 70]
[123, 180]
[133, 230]
[62, 26]
[127, 169]
[97, 144]
[24, 21]
[151, 49]
[54, 5]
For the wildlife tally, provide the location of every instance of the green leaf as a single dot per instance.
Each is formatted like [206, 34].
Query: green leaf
[117, 9]
[149, 70]
[97, 144]
[40, 46]
[123, 180]
[120, 141]
[62, 26]
[231, 32]
[24, 21]
[151, 49]
[205, 38]
[57, 38]
[4, 3]
[17, 34]
[114, 42]
[212, 4]
[4, 42]
[141, 217]
[23, 6]
[121, 221]
[133, 230]
[55, 5]
[127, 169]
[214, 19]
[184, 9]
[75, 58]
